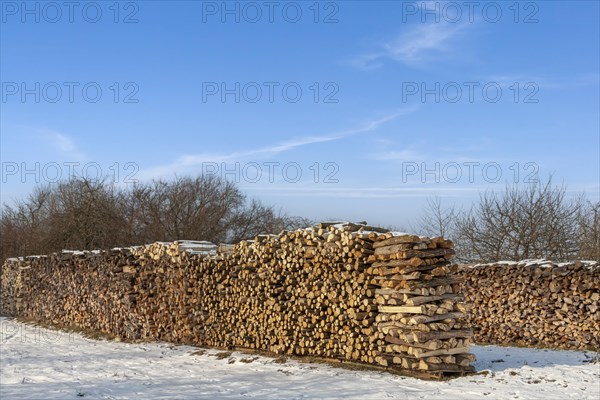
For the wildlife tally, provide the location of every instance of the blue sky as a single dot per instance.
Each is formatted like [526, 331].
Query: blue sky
[378, 104]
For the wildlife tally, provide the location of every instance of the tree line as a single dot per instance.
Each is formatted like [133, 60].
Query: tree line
[521, 222]
[537, 220]
[84, 214]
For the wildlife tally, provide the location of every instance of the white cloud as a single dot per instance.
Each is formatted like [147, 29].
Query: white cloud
[383, 141]
[420, 43]
[332, 190]
[569, 82]
[63, 143]
[399, 155]
[187, 162]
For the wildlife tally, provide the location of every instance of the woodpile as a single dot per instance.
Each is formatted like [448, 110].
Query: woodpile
[304, 292]
[421, 315]
[535, 303]
[337, 291]
[10, 289]
[87, 290]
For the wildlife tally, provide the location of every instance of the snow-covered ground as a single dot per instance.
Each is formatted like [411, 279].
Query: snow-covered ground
[43, 364]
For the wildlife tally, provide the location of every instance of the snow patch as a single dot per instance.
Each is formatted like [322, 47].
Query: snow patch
[37, 363]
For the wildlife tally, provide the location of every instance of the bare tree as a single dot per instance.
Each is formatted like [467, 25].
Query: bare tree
[84, 214]
[74, 214]
[131, 205]
[257, 218]
[535, 221]
[437, 220]
[23, 227]
[79, 213]
[588, 220]
[187, 208]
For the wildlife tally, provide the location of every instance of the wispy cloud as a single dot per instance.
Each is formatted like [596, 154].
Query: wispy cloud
[382, 141]
[473, 150]
[190, 161]
[63, 143]
[420, 43]
[398, 155]
[369, 192]
[547, 82]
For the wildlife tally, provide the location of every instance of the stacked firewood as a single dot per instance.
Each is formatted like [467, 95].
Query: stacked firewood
[87, 290]
[12, 283]
[302, 292]
[421, 318]
[338, 291]
[535, 303]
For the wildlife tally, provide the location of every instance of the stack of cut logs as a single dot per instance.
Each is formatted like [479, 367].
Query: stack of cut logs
[421, 313]
[12, 283]
[535, 302]
[303, 292]
[314, 291]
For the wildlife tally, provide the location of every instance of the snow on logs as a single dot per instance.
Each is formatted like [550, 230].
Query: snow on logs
[337, 291]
